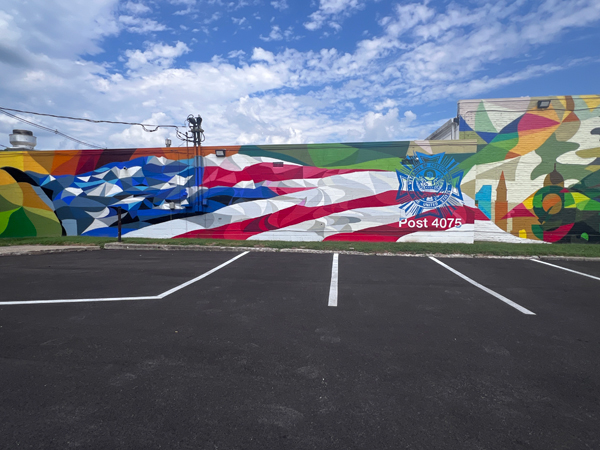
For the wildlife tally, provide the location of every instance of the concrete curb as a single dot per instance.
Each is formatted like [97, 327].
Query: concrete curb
[128, 246]
[16, 250]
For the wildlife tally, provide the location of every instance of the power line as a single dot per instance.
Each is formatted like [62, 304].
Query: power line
[2, 110]
[143, 125]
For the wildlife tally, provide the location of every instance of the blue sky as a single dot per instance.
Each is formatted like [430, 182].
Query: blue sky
[279, 71]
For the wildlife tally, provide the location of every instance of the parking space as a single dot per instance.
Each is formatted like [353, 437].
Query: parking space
[251, 356]
[100, 274]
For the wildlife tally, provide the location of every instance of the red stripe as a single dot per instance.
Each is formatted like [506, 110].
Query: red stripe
[291, 216]
[218, 176]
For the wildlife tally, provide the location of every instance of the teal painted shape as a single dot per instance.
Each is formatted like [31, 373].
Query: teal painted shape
[484, 200]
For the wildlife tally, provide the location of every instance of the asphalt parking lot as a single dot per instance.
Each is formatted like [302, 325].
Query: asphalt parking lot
[157, 349]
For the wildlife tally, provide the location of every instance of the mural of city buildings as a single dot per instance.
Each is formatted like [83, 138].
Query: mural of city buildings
[522, 170]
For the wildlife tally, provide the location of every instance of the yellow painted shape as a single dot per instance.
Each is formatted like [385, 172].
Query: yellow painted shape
[589, 153]
[38, 162]
[523, 234]
[528, 203]
[579, 197]
[24, 161]
[549, 113]
[12, 193]
[5, 178]
[11, 159]
[592, 102]
[531, 140]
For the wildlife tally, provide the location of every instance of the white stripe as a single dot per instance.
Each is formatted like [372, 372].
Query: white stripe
[204, 275]
[78, 300]
[333, 288]
[483, 288]
[119, 299]
[564, 268]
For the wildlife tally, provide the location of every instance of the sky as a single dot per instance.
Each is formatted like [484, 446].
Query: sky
[282, 71]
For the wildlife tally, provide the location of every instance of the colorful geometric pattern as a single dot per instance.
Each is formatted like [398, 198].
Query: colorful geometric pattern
[297, 192]
[537, 169]
[519, 173]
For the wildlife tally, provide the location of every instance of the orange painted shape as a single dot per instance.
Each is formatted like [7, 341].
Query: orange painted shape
[552, 203]
[572, 117]
[31, 198]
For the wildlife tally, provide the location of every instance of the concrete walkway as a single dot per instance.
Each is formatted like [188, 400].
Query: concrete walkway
[35, 249]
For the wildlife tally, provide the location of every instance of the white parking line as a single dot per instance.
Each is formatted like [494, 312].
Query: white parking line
[564, 268]
[204, 275]
[78, 300]
[119, 299]
[483, 288]
[333, 287]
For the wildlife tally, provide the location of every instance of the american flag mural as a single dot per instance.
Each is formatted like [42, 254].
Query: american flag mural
[318, 192]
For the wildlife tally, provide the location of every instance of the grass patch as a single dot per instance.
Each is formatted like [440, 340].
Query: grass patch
[480, 248]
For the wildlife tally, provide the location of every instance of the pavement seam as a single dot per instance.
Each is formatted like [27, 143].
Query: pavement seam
[11, 251]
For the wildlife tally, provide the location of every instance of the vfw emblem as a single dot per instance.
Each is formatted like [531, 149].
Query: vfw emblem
[429, 183]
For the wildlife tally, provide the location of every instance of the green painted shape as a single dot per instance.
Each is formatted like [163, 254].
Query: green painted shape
[4, 218]
[388, 164]
[583, 111]
[298, 154]
[46, 223]
[502, 138]
[328, 156]
[589, 185]
[589, 205]
[340, 156]
[5, 205]
[585, 236]
[472, 135]
[490, 153]
[19, 225]
[538, 231]
[482, 120]
[569, 201]
[550, 151]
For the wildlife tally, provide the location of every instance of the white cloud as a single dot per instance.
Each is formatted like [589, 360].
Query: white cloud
[236, 54]
[159, 54]
[330, 11]
[140, 25]
[136, 8]
[274, 35]
[238, 21]
[277, 35]
[280, 4]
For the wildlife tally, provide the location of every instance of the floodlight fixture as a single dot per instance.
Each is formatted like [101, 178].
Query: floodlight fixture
[220, 152]
[543, 104]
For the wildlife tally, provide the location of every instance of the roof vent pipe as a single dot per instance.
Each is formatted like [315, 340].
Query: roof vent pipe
[22, 140]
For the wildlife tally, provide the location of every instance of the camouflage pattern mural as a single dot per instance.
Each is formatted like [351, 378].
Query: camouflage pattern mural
[524, 170]
[536, 171]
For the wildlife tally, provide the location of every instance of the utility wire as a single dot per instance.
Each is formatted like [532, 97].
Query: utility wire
[143, 125]
[2, 110]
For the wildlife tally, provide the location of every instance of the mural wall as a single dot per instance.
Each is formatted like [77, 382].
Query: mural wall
[536, 171]
[521, 172]
[386, 191]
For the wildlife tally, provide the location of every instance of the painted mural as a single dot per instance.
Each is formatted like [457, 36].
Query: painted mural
[365, 191]
[536, 171]
[521, 172]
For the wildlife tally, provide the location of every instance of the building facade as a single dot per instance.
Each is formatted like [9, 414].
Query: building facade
[517, 170]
